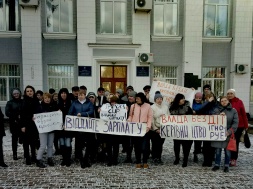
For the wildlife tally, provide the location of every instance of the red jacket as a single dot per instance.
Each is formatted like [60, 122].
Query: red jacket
[238, 105]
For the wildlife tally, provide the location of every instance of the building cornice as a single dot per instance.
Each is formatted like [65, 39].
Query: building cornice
[70, 36]
[166, 38]
[109, 45]
[217, 39]
[10, 34]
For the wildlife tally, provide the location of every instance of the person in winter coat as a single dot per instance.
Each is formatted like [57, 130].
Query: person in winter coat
[2, 134]
[127, 141]
[159, 109]
[196, 106]
[207, 108]
[83, 108]
[141, 112]
[129, 88]
[181, 107]
[225, 108]
[243, 121]
[13, 110]
[65, 137]
[28, 127]
[46, 139]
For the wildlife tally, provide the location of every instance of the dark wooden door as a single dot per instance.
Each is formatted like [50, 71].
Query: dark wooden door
[113, 78]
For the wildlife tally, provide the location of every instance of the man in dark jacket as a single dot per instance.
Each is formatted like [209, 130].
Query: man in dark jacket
[13, 110]
[2, 134]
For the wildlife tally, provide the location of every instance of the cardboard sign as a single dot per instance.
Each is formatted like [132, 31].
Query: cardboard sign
[194, 127]
[115, 112]
[47, 122]
[169, 91]
[93, 125]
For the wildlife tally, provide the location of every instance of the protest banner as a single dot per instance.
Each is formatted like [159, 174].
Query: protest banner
[93, 125]
[169, 91]
[115, 112]
[47, 122]
[194, 127]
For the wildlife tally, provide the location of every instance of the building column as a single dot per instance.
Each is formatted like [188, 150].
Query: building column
[86, 33]
[192, 40]
[241, 49]
[31, 47]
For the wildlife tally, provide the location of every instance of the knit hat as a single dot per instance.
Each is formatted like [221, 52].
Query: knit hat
[91, 94]
[198, 94]
[132, 93]
[130, 87]
[142, 97]
[114, 99]
[158, 95]
[120, 91]
[207, 86]
[231, 91]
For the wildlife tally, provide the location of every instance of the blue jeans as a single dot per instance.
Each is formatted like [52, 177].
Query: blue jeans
[218, 156]
[65, 142]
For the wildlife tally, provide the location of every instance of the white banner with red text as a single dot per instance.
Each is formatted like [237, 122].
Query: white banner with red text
[194, 127]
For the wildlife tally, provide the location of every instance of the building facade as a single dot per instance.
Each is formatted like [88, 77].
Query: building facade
[62, 43]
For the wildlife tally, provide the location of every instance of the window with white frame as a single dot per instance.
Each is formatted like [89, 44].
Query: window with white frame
[59, 16]
[9, 15]
[216, 18]
[9, 79]
[113, 16]
[60, 76]
[166, 17]
[166, 73]
[216, 78]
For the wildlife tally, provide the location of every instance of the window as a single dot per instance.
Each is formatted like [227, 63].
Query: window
[216, 16]
[9, 15]
[9, 79]
[166, 73]
[215, 77]
[166, 17]
[60, 76]
[59, 16]
[113, 17]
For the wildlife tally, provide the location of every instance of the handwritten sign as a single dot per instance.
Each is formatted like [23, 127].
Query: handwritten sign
[194, 127]
[115, 112]
[169, 91]
[93, 125]
[47, 122]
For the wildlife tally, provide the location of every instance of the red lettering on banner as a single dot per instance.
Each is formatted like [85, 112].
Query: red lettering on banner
[193, 118]
[172, 119]
[179, 119]
[164, 120]
[185, 119]
[211, 120]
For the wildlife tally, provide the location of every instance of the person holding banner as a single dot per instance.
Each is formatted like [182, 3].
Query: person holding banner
[28, 127]
[180, 106]
[46, 139]
[141, 112]
[243, 121]
[64, 103]
[159, 109]
[226, 109]
[84, 108]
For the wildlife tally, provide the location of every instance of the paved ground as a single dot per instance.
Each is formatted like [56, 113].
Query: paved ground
[18, 175]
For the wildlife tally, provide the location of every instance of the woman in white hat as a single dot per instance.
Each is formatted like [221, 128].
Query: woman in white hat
[243, 121]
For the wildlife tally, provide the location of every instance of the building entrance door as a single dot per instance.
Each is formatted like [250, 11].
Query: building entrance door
[113, 78]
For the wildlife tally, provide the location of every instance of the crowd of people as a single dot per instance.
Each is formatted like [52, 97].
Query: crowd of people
[104, 147]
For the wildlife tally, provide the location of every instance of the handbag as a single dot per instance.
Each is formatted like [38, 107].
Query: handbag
[247, 142]
[232, 142]
[242, 136]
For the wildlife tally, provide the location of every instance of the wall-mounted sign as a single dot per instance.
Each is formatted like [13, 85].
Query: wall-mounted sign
[142, 71]
[84, 71]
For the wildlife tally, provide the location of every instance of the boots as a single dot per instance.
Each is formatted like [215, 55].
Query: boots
[40, 164]
[68, 156]
[15, 157]
[28, 160]
[50, 162]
